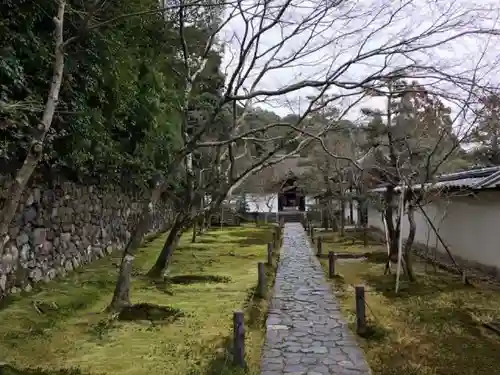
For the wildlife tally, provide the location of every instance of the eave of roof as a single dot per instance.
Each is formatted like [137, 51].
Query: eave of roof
[476, 179]
[489, 182]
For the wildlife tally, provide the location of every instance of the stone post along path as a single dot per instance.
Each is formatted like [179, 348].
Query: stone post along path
[306, 333]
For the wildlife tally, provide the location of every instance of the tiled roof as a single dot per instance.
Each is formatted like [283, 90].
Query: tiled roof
[474, 179]
[271, 178]
[489, 182]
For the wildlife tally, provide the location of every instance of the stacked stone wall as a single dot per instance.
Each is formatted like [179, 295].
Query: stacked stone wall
[62, 227]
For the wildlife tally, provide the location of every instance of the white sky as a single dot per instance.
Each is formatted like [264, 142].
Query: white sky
[345, 42]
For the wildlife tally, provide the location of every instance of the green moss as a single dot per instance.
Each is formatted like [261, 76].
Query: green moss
[431, 327]
[174, 328]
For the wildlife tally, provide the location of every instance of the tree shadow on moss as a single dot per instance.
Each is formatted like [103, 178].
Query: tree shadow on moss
[458, 343]
[11, 370]
[236, 254]
[7, 301]
[239, 236]
[424, 285]
[350, 238]
[196, 279]
[152, 312]
[250, 238]
[374, 332]
[378, 257]
[165, 285]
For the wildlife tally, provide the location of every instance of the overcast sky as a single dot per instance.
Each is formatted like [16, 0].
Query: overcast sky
[345, 41]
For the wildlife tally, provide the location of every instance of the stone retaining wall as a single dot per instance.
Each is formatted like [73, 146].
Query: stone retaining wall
[60, 228]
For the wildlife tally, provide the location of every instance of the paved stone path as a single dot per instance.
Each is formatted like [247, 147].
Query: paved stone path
[306, 333]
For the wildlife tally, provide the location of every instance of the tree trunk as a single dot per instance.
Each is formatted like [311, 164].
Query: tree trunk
[324, 218]
[169, 247]
[342, 217]
[208, 220]
[409, 243]
[351, 212]
[201, 225]
[121, 295]
[393, 230]
[193, 237]
[363, 218]
[35, 151]
[334, 224]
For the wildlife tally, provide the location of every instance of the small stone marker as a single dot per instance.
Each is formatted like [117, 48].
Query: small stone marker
[331, 264]
[270, 253]
[360, 310]
[319, 246]
[261, 286]
[239, 338]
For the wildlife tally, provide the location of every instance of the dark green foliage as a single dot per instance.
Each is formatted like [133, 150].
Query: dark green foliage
[119, 117]
[486, 135]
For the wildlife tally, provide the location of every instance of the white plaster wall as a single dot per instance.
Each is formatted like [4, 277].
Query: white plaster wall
[469, 225]
[259, 202]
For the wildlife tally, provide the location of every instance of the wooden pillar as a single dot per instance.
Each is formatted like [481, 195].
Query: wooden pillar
[331, 264]
[239, 339]
[360, 310]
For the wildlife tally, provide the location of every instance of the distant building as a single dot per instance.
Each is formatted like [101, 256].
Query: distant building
[281, 189]
[464, 208]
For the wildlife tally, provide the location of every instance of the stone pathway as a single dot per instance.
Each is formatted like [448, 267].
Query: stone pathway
[306, 333]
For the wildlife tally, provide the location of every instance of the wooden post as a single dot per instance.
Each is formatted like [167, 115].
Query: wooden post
[239, 338]
[270, 254]
[312, 233]
[261, 286]
[319, 247]
[360, 310]
[275, 241]
[331, 264]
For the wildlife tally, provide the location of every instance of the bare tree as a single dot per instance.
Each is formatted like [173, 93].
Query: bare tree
[364, 43]
[331, 173]
[414, 138]
[89, 22]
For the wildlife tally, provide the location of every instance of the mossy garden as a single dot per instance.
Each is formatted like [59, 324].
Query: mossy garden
[179, 325]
